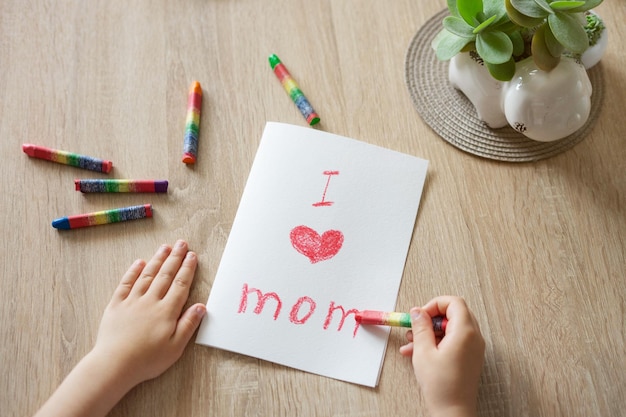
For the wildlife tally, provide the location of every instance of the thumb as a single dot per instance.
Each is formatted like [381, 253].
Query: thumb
[423, 333]
[189, 322]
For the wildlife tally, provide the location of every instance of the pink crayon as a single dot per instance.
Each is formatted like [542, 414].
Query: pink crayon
[67, 158]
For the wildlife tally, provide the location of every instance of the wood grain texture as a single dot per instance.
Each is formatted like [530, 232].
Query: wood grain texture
[538, 249]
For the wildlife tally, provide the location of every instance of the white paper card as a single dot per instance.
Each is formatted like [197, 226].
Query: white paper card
[322, 231]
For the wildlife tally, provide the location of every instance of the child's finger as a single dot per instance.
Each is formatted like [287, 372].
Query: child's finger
[169, 269]
[407, 350]
[423, 333]
[150, 270]
[188, 323]
[438, 306]
[409, 336]
[178, 291]
[128, 280]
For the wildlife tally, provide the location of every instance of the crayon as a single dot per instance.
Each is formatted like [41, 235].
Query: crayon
[103, 217]
[397, 319]
[67, 158]
[192, 123]
[290, 86]
[120, 186]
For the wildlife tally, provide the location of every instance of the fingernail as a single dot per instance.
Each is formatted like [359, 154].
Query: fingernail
[201, 310]
[190, 256]
[415, 313]
[180, 244]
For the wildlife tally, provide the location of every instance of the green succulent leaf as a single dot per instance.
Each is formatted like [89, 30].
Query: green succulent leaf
[447, 44]
[469, 10]
[454, 11]
[544, 5]
[469, 47]
[494, 47]
[541, 54]
[458, 26]
[506, 26]
[589, 4]
[502, 72]
[521, 19]
[594, 28]
[495, 7]
[518, 43]
[484, 24]
[529, 8]
[554, 46]
[569, 32]
[565, 5]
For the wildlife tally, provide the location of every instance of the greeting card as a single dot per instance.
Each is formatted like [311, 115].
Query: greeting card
[322, 231]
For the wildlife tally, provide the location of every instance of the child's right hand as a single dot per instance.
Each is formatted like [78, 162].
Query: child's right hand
[447, 369]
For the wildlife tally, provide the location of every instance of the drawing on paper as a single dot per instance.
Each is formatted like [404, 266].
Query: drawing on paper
[323, 202]
[295, 315]
[314, 246]
[310, 247]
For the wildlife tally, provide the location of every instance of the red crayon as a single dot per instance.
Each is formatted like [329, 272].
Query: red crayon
[397, 319]
[67, 158]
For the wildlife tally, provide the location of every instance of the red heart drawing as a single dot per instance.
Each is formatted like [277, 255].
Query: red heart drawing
[315, 247]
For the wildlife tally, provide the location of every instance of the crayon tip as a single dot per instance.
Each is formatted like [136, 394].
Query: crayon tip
[274, 60]
[189, 158]
[160, 186]
[314, 119]
[28, 149]
[358, 317]
[107, 166]
[195, 88]
[62, 224]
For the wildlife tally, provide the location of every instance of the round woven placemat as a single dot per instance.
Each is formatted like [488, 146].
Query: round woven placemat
[451, 115]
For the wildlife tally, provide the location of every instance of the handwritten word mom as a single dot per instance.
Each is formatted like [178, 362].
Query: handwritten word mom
[300, 312]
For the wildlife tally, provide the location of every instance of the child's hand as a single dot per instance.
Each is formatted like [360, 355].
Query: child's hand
[142, 333]
[142, 329]
[447, 369]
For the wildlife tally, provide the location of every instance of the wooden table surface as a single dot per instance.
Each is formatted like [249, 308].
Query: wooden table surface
[537, 249]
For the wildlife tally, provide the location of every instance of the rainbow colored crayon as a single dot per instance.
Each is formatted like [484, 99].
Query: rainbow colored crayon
[120, 186]
[67, 158]
[192, 123]
[103, 217]
[290, 86]
[397, 320]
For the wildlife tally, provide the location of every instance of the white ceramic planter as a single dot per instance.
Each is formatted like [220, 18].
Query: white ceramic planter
[544, 106]
[547, 106]
[467, 73]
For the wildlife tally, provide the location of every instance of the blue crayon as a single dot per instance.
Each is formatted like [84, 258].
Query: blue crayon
[103, 217]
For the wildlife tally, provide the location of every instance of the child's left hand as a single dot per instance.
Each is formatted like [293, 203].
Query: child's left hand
[142, 327]
[142, 333]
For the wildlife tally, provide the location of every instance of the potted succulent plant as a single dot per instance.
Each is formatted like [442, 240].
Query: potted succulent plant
[524, 62]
